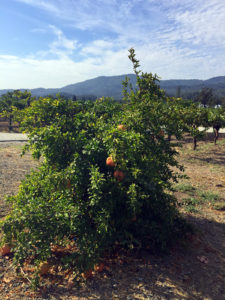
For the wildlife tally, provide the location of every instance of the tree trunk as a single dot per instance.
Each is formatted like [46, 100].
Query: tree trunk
[216, 133]
[194, 143]
[10, 123]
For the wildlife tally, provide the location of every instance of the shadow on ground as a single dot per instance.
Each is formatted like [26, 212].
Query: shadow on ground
[191, 271]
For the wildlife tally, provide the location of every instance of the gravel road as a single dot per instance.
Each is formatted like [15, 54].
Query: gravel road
[9, 137]
[222, 130]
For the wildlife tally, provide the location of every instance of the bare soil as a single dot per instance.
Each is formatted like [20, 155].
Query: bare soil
[4, 126]
[194, 270]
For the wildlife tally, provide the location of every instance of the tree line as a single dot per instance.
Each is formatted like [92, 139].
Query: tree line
[204, 110]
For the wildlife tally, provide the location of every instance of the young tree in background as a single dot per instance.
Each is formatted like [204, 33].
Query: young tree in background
[12, 100]
[216, 120]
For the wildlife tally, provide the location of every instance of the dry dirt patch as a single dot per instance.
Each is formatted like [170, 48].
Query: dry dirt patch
[13, 169]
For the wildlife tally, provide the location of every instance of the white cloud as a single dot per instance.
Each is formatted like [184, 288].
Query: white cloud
[192, 22]
[61, 45]
[98, 47]
[202, 23]
[175, 39]
[33, 73]
[46, 5]
[38, 30]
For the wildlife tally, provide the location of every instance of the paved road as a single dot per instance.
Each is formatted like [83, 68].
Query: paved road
[11, 137]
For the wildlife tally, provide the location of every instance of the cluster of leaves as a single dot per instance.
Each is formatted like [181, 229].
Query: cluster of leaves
[75, 195]
[14, 100]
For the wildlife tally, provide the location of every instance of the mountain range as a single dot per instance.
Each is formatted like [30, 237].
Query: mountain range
[111, 86]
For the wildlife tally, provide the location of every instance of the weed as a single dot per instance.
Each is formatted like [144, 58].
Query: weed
[190, 204]
[191, 201]
[185, 188]
[207, 196]
[191, 209]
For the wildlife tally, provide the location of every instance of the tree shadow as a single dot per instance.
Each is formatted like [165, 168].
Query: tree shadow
[211, 154]
[194, 270]
[216, 158]
[209, 137]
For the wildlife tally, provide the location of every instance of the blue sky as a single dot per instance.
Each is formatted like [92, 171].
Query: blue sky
[53, 43]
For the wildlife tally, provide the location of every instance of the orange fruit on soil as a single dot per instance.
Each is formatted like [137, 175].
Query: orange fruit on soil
[121, 127]
[87, 274]
[119, 175]
[99, 268]
[5, 250]
[44, 267]
[110, 162]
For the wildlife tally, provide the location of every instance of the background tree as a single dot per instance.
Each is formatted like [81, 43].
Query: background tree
[216, 120]
[195, 117]
[205, 97]
[222, 99]
[14, 100]
[178, 92]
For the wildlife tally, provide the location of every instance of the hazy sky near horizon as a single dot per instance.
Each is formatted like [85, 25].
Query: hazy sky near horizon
[53, 43]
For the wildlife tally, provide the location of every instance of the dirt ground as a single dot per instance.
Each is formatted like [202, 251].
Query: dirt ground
[4, 126]
[195, 270]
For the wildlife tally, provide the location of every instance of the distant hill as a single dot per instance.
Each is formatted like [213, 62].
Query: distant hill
[112, 86]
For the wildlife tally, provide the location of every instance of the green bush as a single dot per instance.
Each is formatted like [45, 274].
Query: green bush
[75, 195]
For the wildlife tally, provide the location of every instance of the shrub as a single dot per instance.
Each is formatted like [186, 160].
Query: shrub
[75, 196]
